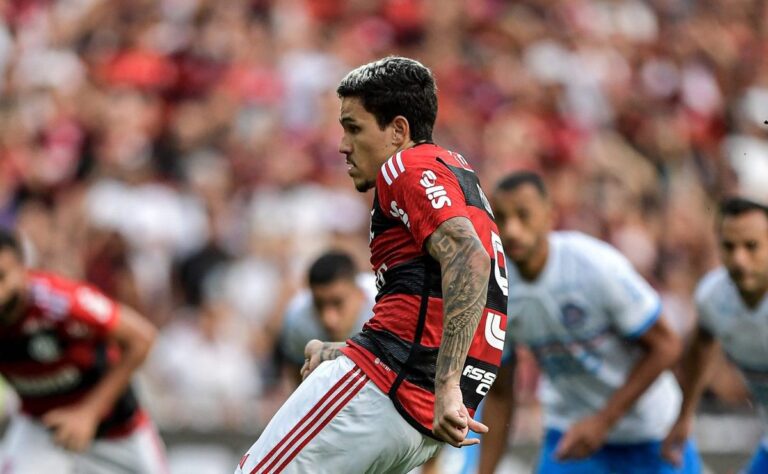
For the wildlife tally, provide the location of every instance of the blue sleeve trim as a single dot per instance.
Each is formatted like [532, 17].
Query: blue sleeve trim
[653, 316]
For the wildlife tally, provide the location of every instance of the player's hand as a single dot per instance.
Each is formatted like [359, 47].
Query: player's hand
[452, 421]
[316, 352]
[583, 438]
[672, 447]
[73, 427]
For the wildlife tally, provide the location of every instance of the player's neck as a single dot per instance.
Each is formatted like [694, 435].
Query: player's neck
[534, 266]
[753, 298]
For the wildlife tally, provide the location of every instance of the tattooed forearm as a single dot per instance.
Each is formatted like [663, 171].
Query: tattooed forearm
[465, 268]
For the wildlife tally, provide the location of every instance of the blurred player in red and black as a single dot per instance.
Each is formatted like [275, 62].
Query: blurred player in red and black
[387, 399]
[69, 352]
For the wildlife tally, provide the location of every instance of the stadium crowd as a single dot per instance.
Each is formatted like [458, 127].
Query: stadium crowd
[182, 155]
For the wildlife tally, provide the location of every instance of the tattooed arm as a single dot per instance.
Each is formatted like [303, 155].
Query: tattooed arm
[317, 352]
[465, 267]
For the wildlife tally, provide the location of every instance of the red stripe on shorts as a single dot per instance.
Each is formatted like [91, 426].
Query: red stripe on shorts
[358, 385]
[312, 415]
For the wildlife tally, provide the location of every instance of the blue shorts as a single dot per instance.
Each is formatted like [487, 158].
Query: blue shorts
[635, 458]
[759, 462]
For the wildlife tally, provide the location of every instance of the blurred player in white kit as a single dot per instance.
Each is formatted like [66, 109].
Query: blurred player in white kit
[595, 328]
[733, 315]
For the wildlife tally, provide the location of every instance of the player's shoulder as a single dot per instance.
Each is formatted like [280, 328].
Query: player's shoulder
[576, 242]
[51, 292]
[299, 309]
[418, 162]
[714, 285]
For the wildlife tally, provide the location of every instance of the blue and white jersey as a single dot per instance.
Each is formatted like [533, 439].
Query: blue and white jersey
[301, 323]
[742, 331]
[581, 318]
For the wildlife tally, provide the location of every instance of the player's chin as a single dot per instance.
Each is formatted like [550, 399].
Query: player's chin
[362, 185]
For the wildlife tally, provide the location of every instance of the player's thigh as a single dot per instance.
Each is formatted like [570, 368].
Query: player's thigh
[759, 462]
[549, 464]
[141, 452]
[337, 421]
[28, 448]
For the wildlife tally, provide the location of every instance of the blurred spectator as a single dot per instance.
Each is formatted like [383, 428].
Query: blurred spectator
[334, 307]
[183, 154]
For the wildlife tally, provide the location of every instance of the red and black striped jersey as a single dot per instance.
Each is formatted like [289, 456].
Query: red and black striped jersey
[417, 190]
[59, 349]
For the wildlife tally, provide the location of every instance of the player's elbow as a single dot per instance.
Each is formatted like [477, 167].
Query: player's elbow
[669, 345]
[480, 260]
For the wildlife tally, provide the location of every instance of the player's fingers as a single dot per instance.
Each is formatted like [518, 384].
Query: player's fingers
[61, 437]
[476, 426]
[457, 419]
[312, 346]
[469, 442]
[450, 434]
[671, 452]
[564, 448]
[51, 419]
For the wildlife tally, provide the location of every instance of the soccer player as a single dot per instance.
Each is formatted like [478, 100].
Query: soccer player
[69, 353]
[594, 326]
[412, 378]
[335, 307]
[733, 311]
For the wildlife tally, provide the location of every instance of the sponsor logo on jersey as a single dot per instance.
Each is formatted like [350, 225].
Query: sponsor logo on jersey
[44, 348]
[395, 211]
[483, 376]
[59, 381]
[436, 193]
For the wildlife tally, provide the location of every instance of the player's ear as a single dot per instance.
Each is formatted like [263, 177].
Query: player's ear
[401, 131]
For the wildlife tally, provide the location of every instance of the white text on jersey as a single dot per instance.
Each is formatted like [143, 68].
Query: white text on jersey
[436, 193]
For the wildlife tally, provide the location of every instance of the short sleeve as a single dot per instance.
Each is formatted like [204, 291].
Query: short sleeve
[631, 302]
[94, 309]
[298, 322]
[421, 192]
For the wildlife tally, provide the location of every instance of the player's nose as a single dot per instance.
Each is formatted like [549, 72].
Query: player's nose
[345, 146]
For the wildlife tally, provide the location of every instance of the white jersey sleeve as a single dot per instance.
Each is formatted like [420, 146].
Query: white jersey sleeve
[299, 326]
[628, 299]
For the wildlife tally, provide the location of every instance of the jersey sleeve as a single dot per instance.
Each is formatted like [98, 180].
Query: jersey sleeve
[630, 301]
[295, 331]
[92, 308]
[422, 193]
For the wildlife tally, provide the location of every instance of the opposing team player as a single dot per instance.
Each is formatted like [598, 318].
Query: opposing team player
[69, 352]
[337, 303]
[415, 374]
[595, 329]
[733, 311]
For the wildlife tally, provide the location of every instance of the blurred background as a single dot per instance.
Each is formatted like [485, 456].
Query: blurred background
[182, 155]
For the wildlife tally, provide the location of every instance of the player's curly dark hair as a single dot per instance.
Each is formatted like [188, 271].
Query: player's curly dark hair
[395, 86]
